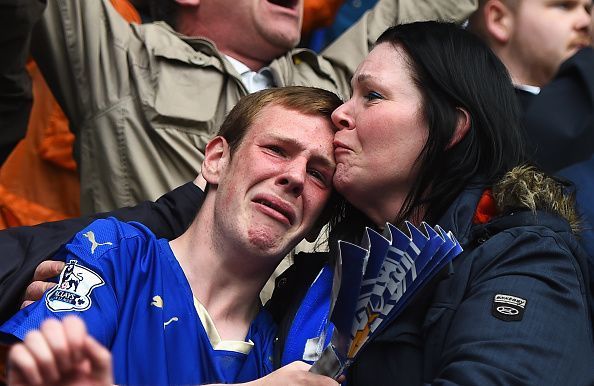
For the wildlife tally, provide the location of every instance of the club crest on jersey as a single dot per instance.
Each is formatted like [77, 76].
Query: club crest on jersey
[74, 289]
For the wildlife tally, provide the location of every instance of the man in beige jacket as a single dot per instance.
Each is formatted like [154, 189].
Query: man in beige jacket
[143, 101]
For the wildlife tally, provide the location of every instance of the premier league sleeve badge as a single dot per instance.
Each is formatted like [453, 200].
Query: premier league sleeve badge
[74, 289]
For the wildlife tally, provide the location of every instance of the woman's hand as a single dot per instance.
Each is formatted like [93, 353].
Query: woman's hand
[41, 280]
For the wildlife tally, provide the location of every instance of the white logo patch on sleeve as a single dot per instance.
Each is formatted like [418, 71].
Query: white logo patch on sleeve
[508, 308]
[74, 289]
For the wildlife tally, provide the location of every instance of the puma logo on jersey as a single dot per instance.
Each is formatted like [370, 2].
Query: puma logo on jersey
[94, 244]
[167, 323]
[157, 301]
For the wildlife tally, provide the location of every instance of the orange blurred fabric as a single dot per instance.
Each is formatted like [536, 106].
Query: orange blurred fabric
[318, 13]
[39, 180]
[486, 208]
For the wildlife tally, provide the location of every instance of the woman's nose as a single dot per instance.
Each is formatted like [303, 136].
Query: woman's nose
[341, 118]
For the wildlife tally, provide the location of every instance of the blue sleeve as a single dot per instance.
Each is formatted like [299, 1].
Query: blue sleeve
[523, 317]
[92, 285]
[23, 248]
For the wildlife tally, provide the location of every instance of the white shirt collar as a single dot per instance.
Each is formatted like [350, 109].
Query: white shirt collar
[531, 89]
[252, 80]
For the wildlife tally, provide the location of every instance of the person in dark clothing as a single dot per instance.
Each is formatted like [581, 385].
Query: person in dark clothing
[559, 121]
[428, 136]
[15, 86]
[544, 44]
[432, 134]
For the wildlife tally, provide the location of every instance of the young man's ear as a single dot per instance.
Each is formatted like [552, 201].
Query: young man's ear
[462, 127]
[216, 160]
[499, 21]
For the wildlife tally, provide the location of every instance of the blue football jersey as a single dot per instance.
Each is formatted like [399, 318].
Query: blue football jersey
[131, 292]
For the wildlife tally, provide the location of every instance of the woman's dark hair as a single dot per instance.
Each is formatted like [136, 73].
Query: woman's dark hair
[453, 70]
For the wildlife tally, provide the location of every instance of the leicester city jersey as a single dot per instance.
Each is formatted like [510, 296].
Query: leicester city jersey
[135, 299]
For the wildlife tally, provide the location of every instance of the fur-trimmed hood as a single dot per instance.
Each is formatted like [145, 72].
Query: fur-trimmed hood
[525, 187]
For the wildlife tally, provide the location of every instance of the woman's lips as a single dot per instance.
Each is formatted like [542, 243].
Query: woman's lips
[341, 148]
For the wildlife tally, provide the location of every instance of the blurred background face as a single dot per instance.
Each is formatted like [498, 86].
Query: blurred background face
[547, 32]
[262, 28]
[278, 21]
[381, 134]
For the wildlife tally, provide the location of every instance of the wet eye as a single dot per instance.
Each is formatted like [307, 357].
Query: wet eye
[275, 149]
[372, 95]
[317, 175]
